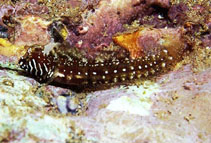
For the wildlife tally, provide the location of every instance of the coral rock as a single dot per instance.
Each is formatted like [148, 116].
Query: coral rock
[146, 41]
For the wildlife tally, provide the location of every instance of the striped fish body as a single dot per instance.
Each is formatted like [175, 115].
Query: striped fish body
[78, 73]
[38, 65]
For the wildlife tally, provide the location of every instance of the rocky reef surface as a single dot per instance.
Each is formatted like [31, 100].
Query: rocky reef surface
[173, 106]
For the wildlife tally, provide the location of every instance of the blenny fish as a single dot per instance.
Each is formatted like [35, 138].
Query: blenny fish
[75, 72]
[70, 71]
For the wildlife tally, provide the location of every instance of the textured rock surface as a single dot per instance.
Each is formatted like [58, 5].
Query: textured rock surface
[174, 107]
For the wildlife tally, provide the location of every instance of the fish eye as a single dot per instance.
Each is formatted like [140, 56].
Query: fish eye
[22, 62]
